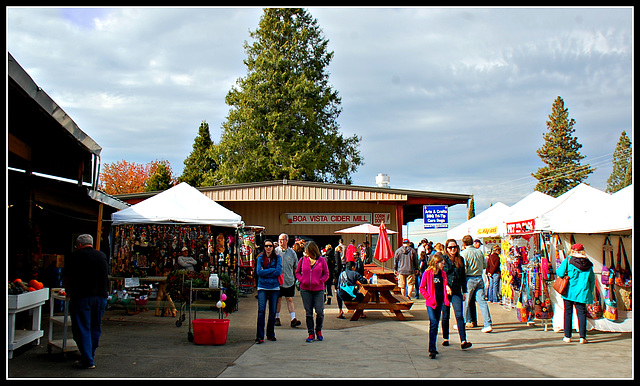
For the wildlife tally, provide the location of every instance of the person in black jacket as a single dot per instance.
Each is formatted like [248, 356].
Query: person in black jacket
[87, 284]
[457, 282]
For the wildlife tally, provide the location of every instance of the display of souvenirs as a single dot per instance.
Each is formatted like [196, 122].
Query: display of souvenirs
[153, 250]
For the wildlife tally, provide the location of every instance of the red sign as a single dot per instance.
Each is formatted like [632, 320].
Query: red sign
[520, 227]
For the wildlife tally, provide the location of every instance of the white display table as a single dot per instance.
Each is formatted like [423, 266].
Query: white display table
[25, 302]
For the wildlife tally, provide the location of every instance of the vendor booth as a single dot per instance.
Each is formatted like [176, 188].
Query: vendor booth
[603, 224]
[179, 230]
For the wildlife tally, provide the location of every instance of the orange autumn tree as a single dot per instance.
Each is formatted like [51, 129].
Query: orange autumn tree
[124, 177]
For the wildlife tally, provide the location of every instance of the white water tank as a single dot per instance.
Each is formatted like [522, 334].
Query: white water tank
[382, 180]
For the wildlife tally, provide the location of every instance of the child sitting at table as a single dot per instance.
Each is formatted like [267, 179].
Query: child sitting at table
[349, 279]
[433, 288]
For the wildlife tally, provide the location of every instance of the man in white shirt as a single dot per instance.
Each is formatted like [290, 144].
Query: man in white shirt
[288, 287]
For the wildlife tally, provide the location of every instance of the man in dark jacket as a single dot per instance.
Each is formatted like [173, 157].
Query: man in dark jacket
[87, 285]
[405, 266]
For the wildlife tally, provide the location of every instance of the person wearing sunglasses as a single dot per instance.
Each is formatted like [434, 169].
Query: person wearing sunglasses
[268, 270]
[457, 283]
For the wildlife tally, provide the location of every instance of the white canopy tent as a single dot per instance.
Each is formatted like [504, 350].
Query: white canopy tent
[179, 204]
[585, 209]
[488, 223]
[530, 207]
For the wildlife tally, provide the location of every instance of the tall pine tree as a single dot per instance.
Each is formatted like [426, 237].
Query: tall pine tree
[560, 152]
[622, 168]
[200, 165]
[282, 122]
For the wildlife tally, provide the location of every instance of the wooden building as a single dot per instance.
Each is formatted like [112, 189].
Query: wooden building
[316, 210]
[52, 175]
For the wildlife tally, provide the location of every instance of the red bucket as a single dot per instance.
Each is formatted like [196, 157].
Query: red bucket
[210, 331]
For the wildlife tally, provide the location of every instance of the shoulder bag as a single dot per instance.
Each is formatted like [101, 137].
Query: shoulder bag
[561, 284]
[594, 310]
[610, 304]
[606, 247]
[623, 275]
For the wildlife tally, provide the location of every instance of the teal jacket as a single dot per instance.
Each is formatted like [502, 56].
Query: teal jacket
[581, 279]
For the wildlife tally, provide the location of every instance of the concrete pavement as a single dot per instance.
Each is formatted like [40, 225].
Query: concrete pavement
[145, 346]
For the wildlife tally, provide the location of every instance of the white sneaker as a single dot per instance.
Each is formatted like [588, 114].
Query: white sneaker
[583, 341]
[566, 340]
[487, 329]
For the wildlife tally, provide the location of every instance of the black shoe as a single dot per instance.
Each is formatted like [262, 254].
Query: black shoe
[81, 365]
[465, 345]
[445, 342]
[295, 322]
[278, 322]
[272, 338]
[258, 341]
[433, 354]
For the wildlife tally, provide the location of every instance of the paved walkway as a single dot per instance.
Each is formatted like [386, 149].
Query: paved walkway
[145, 346]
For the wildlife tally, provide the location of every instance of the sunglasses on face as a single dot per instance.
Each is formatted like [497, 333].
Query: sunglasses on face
[452, 247]
[268, 245]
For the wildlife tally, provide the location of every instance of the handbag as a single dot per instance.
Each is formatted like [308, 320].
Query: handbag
[594, 310]
[523, 311]
[561, 284]
[623, 275]
[345, 287]
[281, 280]
[610, 305]
[543, 308]
[606, 247]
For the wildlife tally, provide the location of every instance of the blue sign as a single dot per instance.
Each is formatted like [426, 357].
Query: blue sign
[436, 216]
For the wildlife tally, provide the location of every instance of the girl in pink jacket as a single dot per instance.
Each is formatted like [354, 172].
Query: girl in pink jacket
[312, 272]
[434, 290]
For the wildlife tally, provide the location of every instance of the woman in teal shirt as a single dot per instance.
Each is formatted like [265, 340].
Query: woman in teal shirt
[580, 292]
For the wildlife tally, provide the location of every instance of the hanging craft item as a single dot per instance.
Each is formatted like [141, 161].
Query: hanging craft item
[542, 308]
[594, 310]
[523, 311]
[611, 307]
[606, 274]
[623, 275]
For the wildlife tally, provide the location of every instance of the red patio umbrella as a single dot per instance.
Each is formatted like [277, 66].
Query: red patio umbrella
[383, 248]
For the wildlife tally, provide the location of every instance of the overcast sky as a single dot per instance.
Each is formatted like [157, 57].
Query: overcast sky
[445, 99]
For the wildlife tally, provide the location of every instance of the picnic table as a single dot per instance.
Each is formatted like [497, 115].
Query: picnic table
[381, 273]
[380, 296]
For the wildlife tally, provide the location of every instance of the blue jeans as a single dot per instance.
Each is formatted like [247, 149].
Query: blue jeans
[313, 300]
[475, 288]
[456, 303]
[263, 297]
[494, 284]
[434, 319]
[86, 325]
[581, 313]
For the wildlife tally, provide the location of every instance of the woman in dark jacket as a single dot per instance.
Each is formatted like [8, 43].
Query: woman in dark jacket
[493, 273]
[457, 283]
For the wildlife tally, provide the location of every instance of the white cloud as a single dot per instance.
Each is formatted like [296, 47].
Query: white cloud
[445, 99]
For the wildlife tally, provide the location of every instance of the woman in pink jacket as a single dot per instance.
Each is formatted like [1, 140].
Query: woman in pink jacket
[434, 290]
[312, 272]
